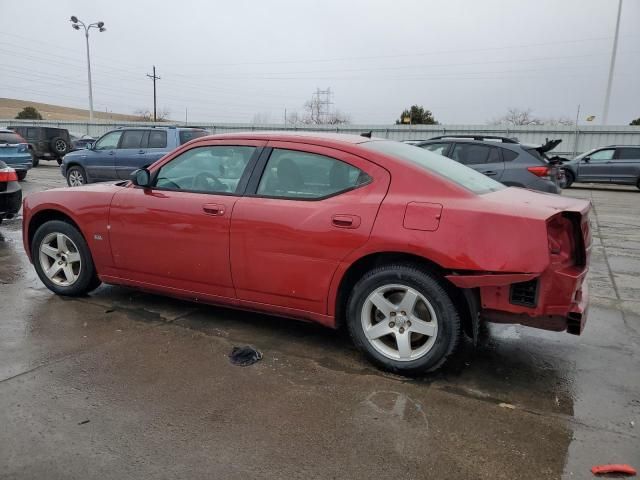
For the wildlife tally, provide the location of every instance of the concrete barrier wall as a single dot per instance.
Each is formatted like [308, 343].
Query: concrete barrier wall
[574, 140]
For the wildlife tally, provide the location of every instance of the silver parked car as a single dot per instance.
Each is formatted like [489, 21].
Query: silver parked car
[613, 164]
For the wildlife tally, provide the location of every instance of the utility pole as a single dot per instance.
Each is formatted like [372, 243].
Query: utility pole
[154, 77]
[605, 113]
[322, 106]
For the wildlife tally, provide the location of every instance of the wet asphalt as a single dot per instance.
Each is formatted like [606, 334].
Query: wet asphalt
[123, 384]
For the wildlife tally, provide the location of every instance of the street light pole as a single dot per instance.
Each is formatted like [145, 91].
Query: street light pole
[76, 23]
[605, 113]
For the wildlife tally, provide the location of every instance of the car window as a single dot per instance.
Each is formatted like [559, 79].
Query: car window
[132, 138]
[443, 167]
[602, 155]
[438, 148]
[109, 141]
[494, 156]
[6, 137]
[157, 139]
[470, 153]
[187, 135]
[32, 132]
[509, 155]
[213, 169]
[294, 174]
[629, 153]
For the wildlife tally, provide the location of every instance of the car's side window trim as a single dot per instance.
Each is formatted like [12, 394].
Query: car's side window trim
[242, 183]
[252, 190]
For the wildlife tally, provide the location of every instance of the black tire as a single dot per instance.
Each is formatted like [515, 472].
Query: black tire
[59, 146]
[35, 161]
[22, 174]
[426, 284]
[569, 178]
[87, 279]
[59, 161]
[76, 174]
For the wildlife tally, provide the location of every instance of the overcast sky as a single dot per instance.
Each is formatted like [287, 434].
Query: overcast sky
[225, 61]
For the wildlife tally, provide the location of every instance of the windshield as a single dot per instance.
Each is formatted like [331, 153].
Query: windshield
[443, 166]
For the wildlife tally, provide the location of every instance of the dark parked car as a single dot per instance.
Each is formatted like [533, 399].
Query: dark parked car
[503, 159]
[80, 141]
[618, 164]
[119, 152]
[15, 152]
[48, 143]
[405, 248]
[10, 192]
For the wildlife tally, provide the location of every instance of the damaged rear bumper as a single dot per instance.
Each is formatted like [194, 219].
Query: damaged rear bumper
[556, 300]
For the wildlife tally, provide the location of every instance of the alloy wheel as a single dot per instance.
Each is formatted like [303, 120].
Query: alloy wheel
[399, 322]
[60, 259]
[75, 178]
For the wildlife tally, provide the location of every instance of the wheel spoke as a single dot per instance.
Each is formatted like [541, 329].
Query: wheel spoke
[409, 300]
[403, 340]
[378, 330]
[73, 257]
[53, 270]
[68, 273]
[49, 251]
[382, 304]
[62, 242]
[420, 326]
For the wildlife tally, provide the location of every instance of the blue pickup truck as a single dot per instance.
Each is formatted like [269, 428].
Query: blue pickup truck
[119, 152]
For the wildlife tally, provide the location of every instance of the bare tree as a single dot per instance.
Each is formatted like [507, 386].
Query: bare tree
[293, 118]
[516, 116]
[317, 113]
[146, 115]
[562, 121]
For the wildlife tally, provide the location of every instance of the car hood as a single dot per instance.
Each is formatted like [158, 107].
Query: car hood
[527, 203]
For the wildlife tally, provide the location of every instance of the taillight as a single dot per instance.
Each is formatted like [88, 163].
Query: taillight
[565, 239]
[540, 171]
[8, 175]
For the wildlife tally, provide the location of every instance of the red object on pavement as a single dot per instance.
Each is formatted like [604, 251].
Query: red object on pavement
[614, 468]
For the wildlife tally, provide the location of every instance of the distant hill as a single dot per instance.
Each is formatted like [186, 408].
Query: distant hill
[10, 107]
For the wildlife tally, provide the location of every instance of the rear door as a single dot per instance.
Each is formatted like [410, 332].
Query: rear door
[130, 153]
[305, 211]
[485, 159]
[625, 166]
[441, 148]
[157, 146]
[596, 167]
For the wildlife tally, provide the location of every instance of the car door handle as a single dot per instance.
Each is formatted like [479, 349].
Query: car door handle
[141, 151]
[345, 221]
[214, 209]
[112, 152]
[490, 173]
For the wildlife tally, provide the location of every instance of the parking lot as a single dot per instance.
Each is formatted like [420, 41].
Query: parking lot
[128, 384]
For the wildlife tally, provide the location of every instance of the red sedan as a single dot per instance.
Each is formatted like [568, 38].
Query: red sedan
[406, 248]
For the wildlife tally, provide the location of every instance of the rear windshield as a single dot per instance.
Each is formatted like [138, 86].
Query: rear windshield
[6, 137]
[186, 135]
[443, 166]
[540, 156]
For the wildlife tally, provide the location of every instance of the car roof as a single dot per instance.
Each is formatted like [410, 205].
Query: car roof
[301, 137]
[156, 127]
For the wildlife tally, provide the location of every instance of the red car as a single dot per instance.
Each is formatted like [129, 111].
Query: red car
[406, 248]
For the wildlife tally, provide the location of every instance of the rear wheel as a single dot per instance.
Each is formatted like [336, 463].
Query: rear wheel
[403, 319]
[76, 176]
[22, 174]
[638, 183]
[62, 259]
[569, 178]
[35, 161]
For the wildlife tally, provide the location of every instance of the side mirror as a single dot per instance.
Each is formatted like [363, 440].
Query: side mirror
[141, 178]
[586, 159]
[89, 146]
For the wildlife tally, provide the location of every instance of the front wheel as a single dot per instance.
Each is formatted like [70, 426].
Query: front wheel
[403, 319]
[35, 161]
[62, 259]
[76, 176]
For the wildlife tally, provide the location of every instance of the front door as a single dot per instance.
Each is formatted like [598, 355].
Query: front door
[176, 234]
[311, 207]
[596, 167]
[130, 154]
[100, 160]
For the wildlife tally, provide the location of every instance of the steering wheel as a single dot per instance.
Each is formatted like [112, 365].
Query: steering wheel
[201, 182]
